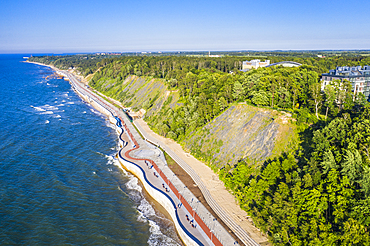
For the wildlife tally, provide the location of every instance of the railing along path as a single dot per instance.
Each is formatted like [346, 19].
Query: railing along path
[239, 232]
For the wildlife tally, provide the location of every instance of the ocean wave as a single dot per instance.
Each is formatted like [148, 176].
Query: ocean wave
[133, 185]
[146, 214]
[38, 108]
[157, 237]
[96, 112]
[47, 112]
[57, 116]
[47, 122]
[49, 107]
[110, 125]
[111, 160]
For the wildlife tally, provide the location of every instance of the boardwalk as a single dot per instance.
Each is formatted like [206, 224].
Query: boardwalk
[239, 232]
[185, 215]
[189, 219]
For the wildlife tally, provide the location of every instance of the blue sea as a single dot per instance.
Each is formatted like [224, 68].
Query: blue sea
[60, 183]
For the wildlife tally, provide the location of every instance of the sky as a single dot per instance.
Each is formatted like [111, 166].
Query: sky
[68, 26]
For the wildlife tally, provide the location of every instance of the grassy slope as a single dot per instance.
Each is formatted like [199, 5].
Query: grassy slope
[134, 91]
[242, 131]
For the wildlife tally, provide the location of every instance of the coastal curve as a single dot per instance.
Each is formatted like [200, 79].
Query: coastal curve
[184, 209]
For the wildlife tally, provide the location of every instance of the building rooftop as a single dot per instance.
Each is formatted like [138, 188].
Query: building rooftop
[350, 71]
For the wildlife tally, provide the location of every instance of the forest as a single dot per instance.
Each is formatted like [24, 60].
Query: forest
[316, 193]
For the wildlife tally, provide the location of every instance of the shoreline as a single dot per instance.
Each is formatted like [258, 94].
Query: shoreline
[211, 180]
[184, 234]
[214, 185]
[156, 205]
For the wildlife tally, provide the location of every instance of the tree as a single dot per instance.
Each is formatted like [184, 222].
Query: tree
[260, 98]
[329, 98]
[238, 91]
[316, 97]
[222, 103]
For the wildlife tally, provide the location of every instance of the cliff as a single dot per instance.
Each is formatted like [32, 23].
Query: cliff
[241, 131]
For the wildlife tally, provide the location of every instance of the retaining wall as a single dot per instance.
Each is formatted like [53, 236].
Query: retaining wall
[157, 194]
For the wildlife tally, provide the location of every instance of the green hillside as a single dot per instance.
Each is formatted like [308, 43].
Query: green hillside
[241, 131]
[297, 160]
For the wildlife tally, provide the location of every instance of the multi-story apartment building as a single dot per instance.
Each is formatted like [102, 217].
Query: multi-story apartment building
[358, 76]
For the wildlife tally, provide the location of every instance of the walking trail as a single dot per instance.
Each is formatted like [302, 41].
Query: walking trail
[213, 184]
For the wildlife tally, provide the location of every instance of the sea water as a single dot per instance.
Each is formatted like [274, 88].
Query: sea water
[60, 183]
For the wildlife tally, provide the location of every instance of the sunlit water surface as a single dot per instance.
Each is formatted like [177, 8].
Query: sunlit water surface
[59, 181]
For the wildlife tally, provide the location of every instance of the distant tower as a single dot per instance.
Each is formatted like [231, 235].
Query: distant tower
[209, 53]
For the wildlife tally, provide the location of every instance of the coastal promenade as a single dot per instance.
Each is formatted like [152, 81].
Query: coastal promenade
[196, 226]
[225, 208]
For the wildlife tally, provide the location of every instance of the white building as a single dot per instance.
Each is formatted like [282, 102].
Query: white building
[359, 78]
[247, 65]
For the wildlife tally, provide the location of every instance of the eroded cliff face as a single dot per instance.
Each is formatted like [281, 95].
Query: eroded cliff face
[242, 131]
[135, 92]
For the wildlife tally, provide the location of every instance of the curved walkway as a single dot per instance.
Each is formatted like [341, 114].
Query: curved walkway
[242, 234]
[226, 218]
[200, 234]
[155, 182]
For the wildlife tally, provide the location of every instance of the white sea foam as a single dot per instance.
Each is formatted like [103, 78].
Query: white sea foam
[47, 122]
[38, 108]
[57, 116]
[110, 159]
[47, 112]
[110, 125]
[84, 112]
[125, 173]
[146, 211]
[70, 102]
[96, 112]
[48, 107]
[157, 237]
[148, 214]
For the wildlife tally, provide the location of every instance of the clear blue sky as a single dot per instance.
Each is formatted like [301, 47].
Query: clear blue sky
[166, 25]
